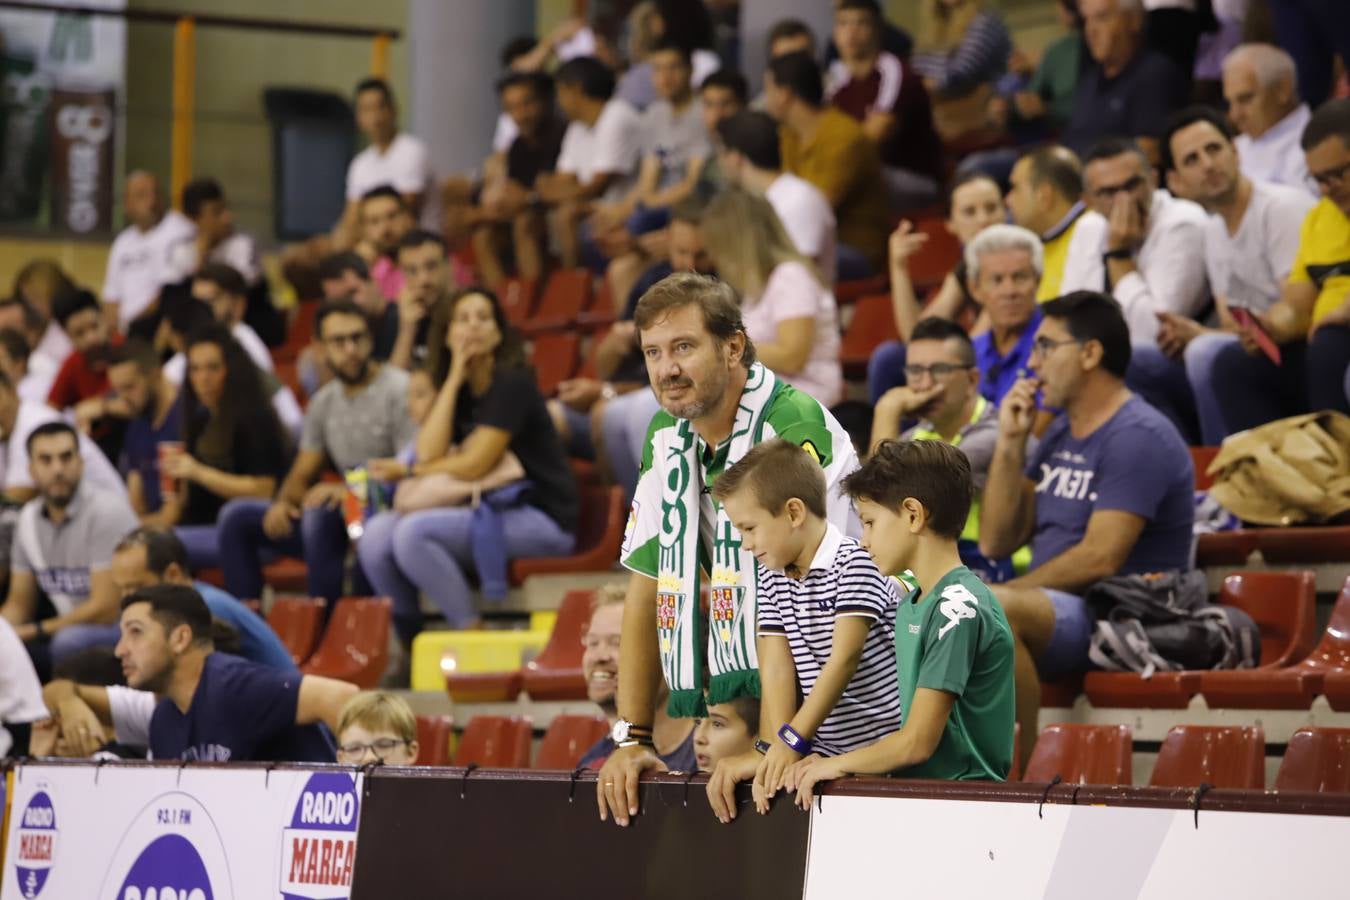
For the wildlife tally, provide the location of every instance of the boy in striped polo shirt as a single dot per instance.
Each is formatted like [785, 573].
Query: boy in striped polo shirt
[952, 642]
[824, 616]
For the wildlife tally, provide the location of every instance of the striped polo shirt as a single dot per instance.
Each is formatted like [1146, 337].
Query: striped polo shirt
[842, 581]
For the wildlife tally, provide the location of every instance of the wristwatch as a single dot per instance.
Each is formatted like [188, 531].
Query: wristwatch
[762, 746]
[626, 734]
[1119, 253]
[607, 391]
[788, 735]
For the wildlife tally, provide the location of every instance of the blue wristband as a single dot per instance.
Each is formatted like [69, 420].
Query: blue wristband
[794, 740]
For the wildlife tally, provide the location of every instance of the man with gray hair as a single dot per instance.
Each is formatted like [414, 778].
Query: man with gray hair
[1260, 83]
[1005, 263]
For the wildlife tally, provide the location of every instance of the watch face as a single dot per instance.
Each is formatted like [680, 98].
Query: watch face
[619, 733]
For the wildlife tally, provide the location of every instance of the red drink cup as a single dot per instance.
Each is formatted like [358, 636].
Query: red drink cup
[168, 485]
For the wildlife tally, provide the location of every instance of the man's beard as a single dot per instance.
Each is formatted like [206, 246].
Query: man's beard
[62, 500]
[359, 377]
[702, 402]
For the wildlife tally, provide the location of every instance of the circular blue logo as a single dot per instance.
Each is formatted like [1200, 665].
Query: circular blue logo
[36, 845]
[169, 867]
[171, 850]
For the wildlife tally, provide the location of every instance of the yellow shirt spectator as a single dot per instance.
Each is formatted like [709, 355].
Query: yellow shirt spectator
[1324, 257]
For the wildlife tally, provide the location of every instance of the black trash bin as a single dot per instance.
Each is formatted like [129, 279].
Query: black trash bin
[313, 139]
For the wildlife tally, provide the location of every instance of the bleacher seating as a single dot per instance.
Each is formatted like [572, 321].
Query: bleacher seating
[435, 734]
[1316, 759]
[501, 742]
[599, 536]
[873, 324]
[939, 255]
[556, 673]
[566, 295]
[554, 357]
[517, 298]
[298, 622]
[1081, 754]
[355, 646]
[567, 739]
[1221, 756]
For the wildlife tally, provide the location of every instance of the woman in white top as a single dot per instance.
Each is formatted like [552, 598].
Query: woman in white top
[788, 308]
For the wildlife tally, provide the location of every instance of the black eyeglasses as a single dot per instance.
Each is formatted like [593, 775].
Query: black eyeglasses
[1044, 346]
[937, 370]
[380, 747]
[1331, 176]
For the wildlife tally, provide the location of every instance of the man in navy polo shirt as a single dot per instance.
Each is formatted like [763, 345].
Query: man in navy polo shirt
[217, 707]
[1004, 263]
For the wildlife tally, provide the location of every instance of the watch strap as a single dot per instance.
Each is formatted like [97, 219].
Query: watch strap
[788, 735]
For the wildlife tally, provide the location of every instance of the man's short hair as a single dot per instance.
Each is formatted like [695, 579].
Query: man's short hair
[186, 314]
[162, 548]
[1059, 167]
[790, 28]
[998, 238]
[375, 84]
[671, 45]
[539, 83]
[1111, 147]
[935, 328]
[731, 80]
[1092, 316]
[690, 210]
[137, 351]
[15, 344]
[869, 6]
[335, 265]
[198, 192]
[32, 319]
[1271, 64]
[70, 301]
[1185, 118]
[383, 190]
[225, 277]
[748, 709]
[172, 605]
[754, 135]
[800, 75]
[515, 48]
[932, 472]
[419, 237]
[377, 711]
[48, 429]
[774, 472]
[716, 299]
[1332, 119]
[339, 307]
[592, 77]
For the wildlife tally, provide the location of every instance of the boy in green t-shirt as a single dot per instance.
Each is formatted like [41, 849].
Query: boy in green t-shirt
[953, 646]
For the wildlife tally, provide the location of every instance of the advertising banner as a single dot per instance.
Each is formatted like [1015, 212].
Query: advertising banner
[62, 78]
[155, 832]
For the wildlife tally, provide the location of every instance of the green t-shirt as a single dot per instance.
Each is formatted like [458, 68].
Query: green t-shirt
[956, 639]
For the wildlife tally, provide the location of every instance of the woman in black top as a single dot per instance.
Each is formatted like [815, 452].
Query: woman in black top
[487, 403]
[233, 445]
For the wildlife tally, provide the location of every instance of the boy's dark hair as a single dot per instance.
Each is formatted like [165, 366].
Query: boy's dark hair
[419, 237]
[135, 350]
[186, 314]
[590, 75]
[936, 329]
[1332, 119]
[224, 277]
[1060, 167]
[375, 84]
[1091, 316]
[869, 6]
[515, 48]
[32, 319]
[800, 74]
[383, 190]
[1185, 119]
[71, 301]
[335, 265]
[790, 28]
[716, 299]
[754, 135]
[339, 307]
[731, 80]
[15, 344]
[47, 429]
[162, 548]
[671, 45]
[197, 193]
[932, 472]
[1111, 147]
[172, 605]
[775, 471]
[748, 709]
[538, 82]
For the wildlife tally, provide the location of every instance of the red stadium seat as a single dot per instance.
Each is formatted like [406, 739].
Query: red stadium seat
[355, 646]
[937, 257]
[1082, 754]
[517, 298]
[286, 575]
[1201, 457]
[1062, 691]
[602, 313]
[434, 734]
[599, 537]
[483, 687]
[1316, 759]
[1225, 548]
[301, 332]
[501, 742]
[567, 740]
[588, 368]
[1304, 545]
[555, 674]
[298, 622]
[554, 358]
[566, 295]
[1336, 688]
[1294, 687]
[1283, 605]
[1229, 756]
[873, 323]
[846, 292]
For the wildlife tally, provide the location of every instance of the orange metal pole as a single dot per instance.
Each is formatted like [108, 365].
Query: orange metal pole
[184, 106]
[379, 56]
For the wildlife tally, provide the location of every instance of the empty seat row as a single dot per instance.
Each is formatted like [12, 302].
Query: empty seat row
[504, 742]
[354, 645]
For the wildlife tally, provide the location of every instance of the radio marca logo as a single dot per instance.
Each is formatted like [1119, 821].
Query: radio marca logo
[319, 849]
[36, 836]
[172, 851]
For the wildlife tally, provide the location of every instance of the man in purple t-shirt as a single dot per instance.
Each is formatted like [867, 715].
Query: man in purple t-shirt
[1108, 491]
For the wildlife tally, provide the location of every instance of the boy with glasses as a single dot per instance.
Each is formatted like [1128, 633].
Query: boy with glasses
[377, 727]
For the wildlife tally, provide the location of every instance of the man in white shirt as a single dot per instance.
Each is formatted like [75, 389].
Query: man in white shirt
[1148, 247]
[18, 419]
[20, 694]
[213, 238]
[749, 157]
[223, 289]
[391, 157]
[138, 263]
[1260, 83]
[600, 151]
[50, 345]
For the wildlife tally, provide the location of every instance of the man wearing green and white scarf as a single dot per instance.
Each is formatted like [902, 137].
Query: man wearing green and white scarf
[717, 401]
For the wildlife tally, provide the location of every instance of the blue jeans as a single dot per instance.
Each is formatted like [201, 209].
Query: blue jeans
[1162, 382]
[202, 544]
[320, 540]
[885, 370]
[1251, 390]
[428, 552]
[624, 424]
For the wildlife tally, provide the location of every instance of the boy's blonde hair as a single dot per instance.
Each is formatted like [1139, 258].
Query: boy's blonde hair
[776, 471]
[379, 711]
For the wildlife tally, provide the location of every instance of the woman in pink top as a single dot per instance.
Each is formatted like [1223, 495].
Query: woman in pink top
[789, 310]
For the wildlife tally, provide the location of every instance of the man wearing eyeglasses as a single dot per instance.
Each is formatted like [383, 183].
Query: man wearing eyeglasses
[362, 414]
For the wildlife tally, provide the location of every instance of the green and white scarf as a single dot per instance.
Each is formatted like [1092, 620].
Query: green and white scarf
[732, 660]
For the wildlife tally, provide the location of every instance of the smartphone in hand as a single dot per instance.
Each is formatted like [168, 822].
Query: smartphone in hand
[1252, 326]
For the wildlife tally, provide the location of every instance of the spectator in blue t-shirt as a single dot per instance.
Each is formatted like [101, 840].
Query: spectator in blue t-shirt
[149, 402]
[1004, 264]
[217, 707]
[1108, 491]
